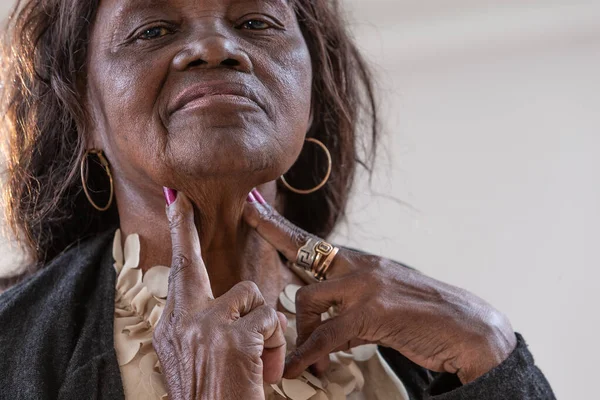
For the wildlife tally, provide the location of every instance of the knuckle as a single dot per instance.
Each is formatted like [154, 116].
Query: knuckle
[324, 336]
[250, 286]
[263, 318]
[271, 314]
[376, 277]
[265, 313]
[298, 236]
[373, 262]
[180, 263]
[303, 295]
[177, 219]
[249, 290]
[166, 329]
[175, 318]
[378, 305]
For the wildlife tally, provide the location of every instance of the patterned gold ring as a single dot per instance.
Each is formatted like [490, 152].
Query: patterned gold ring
[320, 272]
[305, 258]
[315, 257]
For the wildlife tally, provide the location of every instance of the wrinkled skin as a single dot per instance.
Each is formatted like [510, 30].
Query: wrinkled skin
[438, 326]
[244, 58]
[241, 127]
[143, 57]
[214, 348]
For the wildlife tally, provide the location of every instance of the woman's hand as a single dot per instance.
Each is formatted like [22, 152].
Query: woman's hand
[214, 348]
[438, 326]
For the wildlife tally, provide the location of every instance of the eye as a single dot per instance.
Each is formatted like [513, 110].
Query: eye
[255, 24]
[155, 32]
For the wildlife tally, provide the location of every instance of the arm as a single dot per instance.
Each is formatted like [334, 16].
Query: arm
[437, 326]
[516, 378]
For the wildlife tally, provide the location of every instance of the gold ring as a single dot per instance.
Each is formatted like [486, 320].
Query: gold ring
[307, 254]
[321, 264]
[315, 257]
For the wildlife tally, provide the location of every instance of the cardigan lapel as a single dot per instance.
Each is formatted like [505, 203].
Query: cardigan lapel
[94, 371]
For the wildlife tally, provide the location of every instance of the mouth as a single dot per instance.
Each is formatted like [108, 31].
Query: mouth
[213, 93]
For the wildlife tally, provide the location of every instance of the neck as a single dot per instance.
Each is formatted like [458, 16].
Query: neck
[231, 251]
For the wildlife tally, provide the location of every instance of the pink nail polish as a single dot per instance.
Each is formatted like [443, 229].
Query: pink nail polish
[258, 197]
[170, 195]
[250, 198]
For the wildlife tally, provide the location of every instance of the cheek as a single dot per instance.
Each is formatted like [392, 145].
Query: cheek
[126, 91]
[295, 83]
[290, 81]
[133, 90]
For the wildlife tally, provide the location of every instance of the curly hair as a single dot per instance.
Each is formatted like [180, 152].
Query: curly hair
[44, 128]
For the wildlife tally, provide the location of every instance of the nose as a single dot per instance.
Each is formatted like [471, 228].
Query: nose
[213, 51]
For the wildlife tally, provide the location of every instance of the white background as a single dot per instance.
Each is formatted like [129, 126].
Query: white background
[492, 137]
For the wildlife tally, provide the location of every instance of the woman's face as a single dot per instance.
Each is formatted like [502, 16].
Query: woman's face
[183, 91]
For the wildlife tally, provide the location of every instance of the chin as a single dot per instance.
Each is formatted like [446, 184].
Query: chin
[229, 153]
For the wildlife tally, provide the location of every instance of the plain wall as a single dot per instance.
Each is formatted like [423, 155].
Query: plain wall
[492, 137]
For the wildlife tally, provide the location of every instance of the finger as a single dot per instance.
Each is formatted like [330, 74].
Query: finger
[351, 344]
[322, 364]
[268, 322]
[274, 353]
[314, 300]
[188, 278]
[275, 229]
[311, 302]
[241, 299]
[286, 237]
[282, 320]
[330, 335]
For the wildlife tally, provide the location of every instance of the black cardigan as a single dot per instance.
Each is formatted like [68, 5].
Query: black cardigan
[56, 341]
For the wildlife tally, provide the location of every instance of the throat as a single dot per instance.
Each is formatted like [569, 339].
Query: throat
[230, 257]
[232, 251]
[252, 262]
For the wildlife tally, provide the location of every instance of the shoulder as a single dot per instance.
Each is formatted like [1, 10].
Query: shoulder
[56, 314]
[55, 280]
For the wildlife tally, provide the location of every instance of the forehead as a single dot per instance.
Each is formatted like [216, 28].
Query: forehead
[123, 6]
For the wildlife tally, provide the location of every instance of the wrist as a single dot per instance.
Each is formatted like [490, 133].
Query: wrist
[488, 352]
[484, 363]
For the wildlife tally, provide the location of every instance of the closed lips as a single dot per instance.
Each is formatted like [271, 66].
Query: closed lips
[198, 91]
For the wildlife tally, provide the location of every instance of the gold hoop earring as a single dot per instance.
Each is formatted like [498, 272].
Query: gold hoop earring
[83, 169]
[323, 182]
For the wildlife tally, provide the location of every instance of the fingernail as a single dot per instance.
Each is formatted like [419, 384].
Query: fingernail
[250, 198]
[170, 195]
[258, 197]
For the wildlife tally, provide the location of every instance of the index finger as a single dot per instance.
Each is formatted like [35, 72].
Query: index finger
[274, 228]
[188, 277]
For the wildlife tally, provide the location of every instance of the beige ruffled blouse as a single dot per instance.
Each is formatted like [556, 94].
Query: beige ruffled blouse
[359, 374]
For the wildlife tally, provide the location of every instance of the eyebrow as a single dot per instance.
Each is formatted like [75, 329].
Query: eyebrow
[145, 4]
[136, 5]
[124, 11]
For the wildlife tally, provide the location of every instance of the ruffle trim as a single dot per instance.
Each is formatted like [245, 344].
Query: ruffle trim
[343, 377]
[139, 303]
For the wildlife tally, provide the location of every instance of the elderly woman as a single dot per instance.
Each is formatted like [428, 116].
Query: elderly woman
[245, 115]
